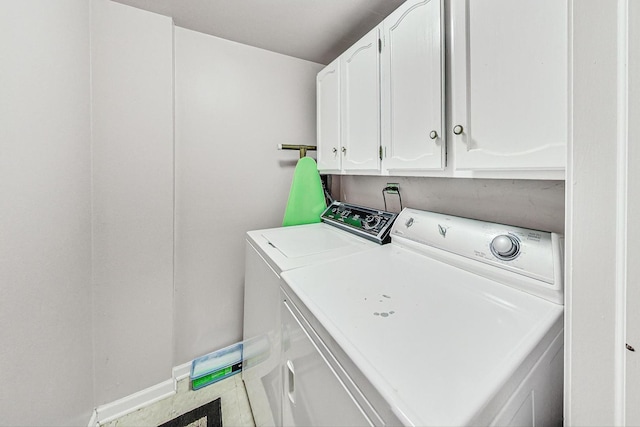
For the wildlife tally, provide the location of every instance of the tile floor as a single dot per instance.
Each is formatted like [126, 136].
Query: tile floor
[234, 403]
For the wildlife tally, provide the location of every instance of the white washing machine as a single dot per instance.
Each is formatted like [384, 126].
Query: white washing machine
[456, 322]
[346, 229]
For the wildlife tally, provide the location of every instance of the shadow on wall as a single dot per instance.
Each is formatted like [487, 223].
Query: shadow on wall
[532, 204]
[287, 163]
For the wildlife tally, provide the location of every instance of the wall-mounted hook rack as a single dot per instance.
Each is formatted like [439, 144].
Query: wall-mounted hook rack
[302, 148]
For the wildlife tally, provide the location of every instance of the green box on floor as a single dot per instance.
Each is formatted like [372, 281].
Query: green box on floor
[216, 366]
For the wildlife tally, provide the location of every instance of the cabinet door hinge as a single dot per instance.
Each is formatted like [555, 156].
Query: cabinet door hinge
[381, 152]
[380, 45]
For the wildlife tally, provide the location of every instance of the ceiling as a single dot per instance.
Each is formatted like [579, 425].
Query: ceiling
[315, 30]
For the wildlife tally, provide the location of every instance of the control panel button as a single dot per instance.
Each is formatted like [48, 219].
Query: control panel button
[505, 247]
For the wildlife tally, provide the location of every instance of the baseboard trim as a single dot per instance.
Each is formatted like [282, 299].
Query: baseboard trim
[181, 372]
[116, 409]
[135, 401]
[110, 411]
[93, 421]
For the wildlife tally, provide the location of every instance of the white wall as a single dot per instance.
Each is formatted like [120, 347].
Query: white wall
[234, 104]
[132, 155]
[45, 214]
[525, 203]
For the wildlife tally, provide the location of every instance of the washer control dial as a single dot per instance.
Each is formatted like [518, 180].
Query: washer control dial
[372, 222]
[505, 247]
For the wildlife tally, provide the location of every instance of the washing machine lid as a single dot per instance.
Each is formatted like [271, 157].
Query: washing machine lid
[286, 248]
[437, 342]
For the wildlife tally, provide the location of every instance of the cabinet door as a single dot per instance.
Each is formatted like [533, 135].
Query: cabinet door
[510, 84]
[313, 393]
[413, 87]
[361, 105]
[328, 113]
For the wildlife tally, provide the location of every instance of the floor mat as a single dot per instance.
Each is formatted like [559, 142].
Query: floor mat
[208, 415]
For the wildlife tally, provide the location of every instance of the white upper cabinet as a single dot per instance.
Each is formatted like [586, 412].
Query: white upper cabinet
[412, 63]
[328, 126]
[509, 69]
[508, 106]
[360, 85]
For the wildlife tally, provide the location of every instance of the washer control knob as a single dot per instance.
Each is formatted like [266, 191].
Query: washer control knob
[372, 221]
[505, 247]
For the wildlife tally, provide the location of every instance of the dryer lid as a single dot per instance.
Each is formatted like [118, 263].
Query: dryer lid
[301, 242]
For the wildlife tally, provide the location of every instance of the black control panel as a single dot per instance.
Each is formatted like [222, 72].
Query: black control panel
[369, 223]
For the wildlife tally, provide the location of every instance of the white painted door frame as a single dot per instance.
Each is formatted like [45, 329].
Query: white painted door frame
[602, 204]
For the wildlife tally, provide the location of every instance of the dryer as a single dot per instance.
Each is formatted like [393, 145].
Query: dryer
[346, 229]
[456, 322]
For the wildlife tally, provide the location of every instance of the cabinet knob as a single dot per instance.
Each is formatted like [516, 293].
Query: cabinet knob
[457, 129]
[344, 149]
[433, 134]
[335, 150]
